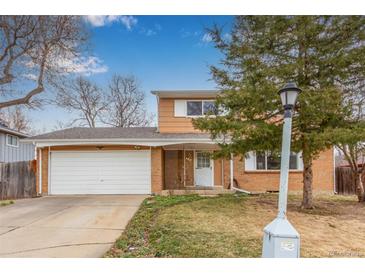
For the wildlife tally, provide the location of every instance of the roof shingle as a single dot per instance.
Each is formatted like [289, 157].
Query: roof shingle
[114, 133]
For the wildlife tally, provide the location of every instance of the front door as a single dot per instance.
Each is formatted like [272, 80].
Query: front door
[203, 169]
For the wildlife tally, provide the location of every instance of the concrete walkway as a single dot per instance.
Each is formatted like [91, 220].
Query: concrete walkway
[65, 226]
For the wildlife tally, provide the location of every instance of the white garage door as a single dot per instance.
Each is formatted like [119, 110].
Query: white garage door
[100, 172]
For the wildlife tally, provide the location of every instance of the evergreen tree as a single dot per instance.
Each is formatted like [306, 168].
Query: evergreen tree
[324, 55]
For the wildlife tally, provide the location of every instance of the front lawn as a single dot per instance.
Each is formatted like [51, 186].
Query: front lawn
[231, 226]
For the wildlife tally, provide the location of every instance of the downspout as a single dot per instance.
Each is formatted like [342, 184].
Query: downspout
[49, 171]
[40, 172]
[231, 178]
[158, 113]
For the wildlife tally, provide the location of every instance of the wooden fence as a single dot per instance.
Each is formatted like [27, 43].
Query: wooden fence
[18, 180]
[344, 181]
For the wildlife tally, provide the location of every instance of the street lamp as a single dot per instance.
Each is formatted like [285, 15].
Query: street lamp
[281, 240]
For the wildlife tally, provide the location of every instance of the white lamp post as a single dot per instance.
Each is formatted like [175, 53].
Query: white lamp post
[281, 240]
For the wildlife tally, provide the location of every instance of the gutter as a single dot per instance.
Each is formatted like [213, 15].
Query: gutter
[136, 142]
[14, 132]
[29, 140]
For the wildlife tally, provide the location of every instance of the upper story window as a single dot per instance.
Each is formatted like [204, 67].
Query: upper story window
[271, 161]
[200, 107]
[194, 108]
[12, 140]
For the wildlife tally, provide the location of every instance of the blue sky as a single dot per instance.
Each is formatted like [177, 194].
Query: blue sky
[163, 52]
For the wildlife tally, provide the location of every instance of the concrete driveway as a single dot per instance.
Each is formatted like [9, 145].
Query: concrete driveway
[65, 226]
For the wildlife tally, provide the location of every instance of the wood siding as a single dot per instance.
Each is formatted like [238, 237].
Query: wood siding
[167, 122]
[9, 154]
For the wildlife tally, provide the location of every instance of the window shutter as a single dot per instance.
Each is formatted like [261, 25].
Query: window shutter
[250, 161]
[180, 108]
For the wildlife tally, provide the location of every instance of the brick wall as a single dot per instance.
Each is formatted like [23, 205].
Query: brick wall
[157, 169]
[323, 176]
[42, 167]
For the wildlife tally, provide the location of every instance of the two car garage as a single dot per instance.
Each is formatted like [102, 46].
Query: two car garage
[100, 172]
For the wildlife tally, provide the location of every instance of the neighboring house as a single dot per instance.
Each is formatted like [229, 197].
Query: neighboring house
[150, 160]
[11, 150]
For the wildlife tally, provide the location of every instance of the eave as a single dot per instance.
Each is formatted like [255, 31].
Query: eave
[139, 142]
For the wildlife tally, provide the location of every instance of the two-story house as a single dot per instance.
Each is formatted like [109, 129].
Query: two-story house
[172, 156]
[11, 149]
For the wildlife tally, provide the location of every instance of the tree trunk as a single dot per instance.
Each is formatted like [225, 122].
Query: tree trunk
[307, 202]
[359, 183]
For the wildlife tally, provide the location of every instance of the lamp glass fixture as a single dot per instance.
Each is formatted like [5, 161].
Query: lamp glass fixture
[289, 94]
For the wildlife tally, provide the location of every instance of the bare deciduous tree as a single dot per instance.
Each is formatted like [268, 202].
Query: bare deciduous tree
[352, 150]
[126, 106]
[16, 118]
[34, 51]
[83, 97]
[354, 154]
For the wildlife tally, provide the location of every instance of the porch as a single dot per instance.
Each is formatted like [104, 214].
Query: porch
[189, 168]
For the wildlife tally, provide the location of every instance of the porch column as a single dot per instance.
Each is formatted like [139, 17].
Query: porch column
[231, 170]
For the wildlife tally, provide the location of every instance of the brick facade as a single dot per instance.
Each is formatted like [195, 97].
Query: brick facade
[157, 169]
[262, 181]
[256, 181]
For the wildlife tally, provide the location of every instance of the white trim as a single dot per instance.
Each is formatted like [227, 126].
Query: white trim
[186, 94]
[7, 140]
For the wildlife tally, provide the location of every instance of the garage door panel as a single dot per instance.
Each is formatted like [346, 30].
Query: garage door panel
[97, 192]
[122, 172]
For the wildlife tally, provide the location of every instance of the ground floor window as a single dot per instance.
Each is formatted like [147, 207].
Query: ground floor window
[270, 161]
[12, 140]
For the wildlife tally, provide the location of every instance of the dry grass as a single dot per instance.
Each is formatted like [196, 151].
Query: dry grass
[6, 202]
[231, 226]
